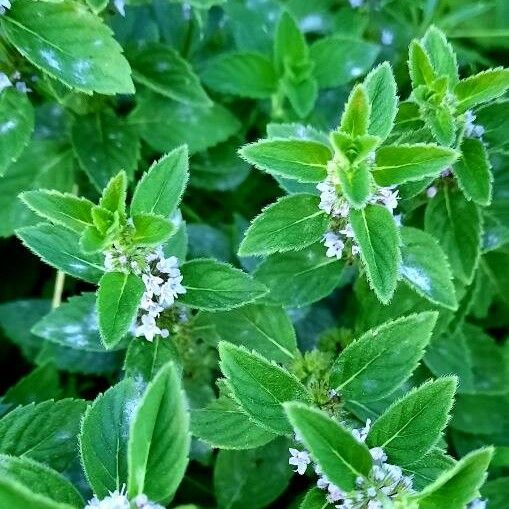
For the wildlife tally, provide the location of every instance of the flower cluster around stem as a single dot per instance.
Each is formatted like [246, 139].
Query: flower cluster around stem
[385, 481]
[118, 500]
[472, 130]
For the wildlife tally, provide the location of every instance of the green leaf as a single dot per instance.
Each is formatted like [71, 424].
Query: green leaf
[332, 69]
[38, 483]
[118, 299]
[104, 144]
[160, 189]
[302, 160]
[315, 499]
[442, 124]
[396, 164]
[429, 468]
[241, 477]
[159, 440]
[301, 94]
[151, 230]
[356, 116]
[290, 48]
[223, 424]
[382, 93]
[481, 88]
[382, 359]
[441, 54]
[412, 426]
[356, 183]
[425, 268]
[104, 435]
[266, 329]
[300, 278]
[114, 195]
[164, 71]
[16, 126]
[215, 286]
[473, 171]
[45, 432]
[60, 249]
[244, 74]
[64, 209]
[261, 387]
[165, 124]
[341, 457]
[291, 223]
[378, 238]
[419, 64]
[63, 41]
[458, 485]
[456, 224]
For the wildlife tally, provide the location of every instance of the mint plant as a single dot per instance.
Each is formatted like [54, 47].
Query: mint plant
[254, 254]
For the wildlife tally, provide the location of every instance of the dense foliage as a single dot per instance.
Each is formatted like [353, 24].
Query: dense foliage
[255, 254]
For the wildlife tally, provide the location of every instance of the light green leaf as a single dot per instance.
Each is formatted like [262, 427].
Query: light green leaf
[481, 88]
[290, 48]
[356, 116]
[341, 457]
[260, 387]
[118, 298]
[243, 74]
[104, 435]
[60, 249]
[302, 160]
[396, 164]
[425, 268]
[151, 229]
[163, 70]
[441, 55]
[419, 65]
[159, 440]
[291, 223]
[412, 426]
[378, 238]
[70, 44]
[211, 285]
[302, 94]
[377, 363]
[16, 126]
[64, 209]
[356, 183]
[442, 124]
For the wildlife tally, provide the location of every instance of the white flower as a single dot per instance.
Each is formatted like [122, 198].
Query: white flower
[5, 82]
[21, 86]
[323, 482]
[355, 249]
[142, 502]
[335, 494]
[157, 254]
[4, 5]
[299, 459]
[328, 197]
[152, 283]
[378, 455]
[388, 198]
[115, 500]
[356, 3]
[361, 434]
[431, 192]
[334, 245]
[477, 504]
[387, 37]
[170, 291]
[120, 6]
[374, 504]
[472, 130]
[149, 328]
[109, 261]
[347, 231]
[169, 266]
[151, 307]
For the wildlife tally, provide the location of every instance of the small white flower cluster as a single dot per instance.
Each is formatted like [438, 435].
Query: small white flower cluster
[118, 500]
[4, 6]
[387, 37]
[385, 480]
[432, 191]
[330, 203]
[163, 285]
[355, 4]
[478, 504]
[120, 6]
[472, 130]
[14, 80]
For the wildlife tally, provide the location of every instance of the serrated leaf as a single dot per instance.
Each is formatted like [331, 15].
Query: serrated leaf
[377, 363]
[481, 88]
[160, 189]
[442, 124]
[16, 126]
[104, 435]
[356, 183]
[60, 249]
[216, 286]
[396, 164]
[163, 70]
[456, 224]
[159, 439]
[441, 54]
[114, 195]
[243, 74]
[260, 387]
[429, 468]
[419, 64]
[118, 299]
[291, 223]
[341, 457]
[411, 426]
[379, 242]
[302, 160]
[151, 229]
[302, 94]
[473, 171]
[290, 47]
[70, 44]
[45, 432]
[426, 269]
[356, 115]
[64, 209]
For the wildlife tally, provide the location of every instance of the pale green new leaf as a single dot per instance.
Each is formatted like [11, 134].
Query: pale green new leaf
[290, 47]
[481, 88]
[425, 268]
[341, 457]
[356, 184]
[70, 44]
[356, 116]
[441, 54]
[302, 160]
[377, 363]
[291, 223]
[159, 439]
[118, 298]
[378, 238]
[419, 65]
[412, 426]
[261, 387]
[151, 229]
